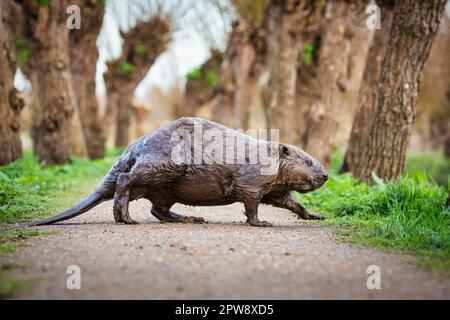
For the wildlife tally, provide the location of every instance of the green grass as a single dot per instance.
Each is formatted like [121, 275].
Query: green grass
[29, 189]
[435, 164]
[407, 215]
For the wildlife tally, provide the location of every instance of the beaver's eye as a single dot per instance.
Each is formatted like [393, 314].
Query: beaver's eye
[308, 163]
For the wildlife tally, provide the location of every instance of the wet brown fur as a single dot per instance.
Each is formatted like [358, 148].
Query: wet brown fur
[147, 170]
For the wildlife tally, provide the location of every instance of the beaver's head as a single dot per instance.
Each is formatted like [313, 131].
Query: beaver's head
[299, 171]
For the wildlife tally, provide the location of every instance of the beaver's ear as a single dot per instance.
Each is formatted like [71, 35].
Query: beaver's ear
[284, 150]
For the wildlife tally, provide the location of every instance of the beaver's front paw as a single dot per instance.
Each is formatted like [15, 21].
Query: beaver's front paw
[315, 217]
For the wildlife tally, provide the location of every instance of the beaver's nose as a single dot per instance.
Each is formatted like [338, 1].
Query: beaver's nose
[325, 177]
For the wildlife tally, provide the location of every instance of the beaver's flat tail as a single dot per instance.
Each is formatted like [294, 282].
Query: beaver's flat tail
[88, 203]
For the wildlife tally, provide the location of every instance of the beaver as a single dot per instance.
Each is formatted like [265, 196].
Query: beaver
[174, 164]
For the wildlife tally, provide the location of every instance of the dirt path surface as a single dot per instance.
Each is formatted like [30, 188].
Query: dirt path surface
[223, 259]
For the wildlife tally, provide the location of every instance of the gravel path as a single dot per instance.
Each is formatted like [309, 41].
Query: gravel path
[223, 259]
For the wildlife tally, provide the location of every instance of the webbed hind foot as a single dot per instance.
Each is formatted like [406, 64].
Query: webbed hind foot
[185, 219]
[166, 215]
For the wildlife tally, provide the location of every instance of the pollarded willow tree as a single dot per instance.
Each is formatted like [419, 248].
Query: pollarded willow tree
[142, 45]
[382, 149]
[243, 64]
[248, 53]
[201, 85]
[47, 35]
[11, 102]
[287, 23]
[84, 55]
[306, 81]
[325, 98]
[367, 92]
[223, 109]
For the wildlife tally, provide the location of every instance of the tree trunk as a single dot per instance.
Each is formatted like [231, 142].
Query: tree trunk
[78, 144]
[110, 115]
[447, 142]
[11, 102]
[223, 110]
[447, 133]
[332, 79]
[123, 121]
[201, 86]
[247, 54]
[240, 71]
[307, 78]
[354, 159]
[286, 21]
[141, 115]
[383, 150]
[49, 39]
[243, 100]
[283, 48]
[84, 56]
[142, 45]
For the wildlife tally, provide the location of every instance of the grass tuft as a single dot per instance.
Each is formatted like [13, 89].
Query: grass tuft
[408, 214]
[29, 189]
